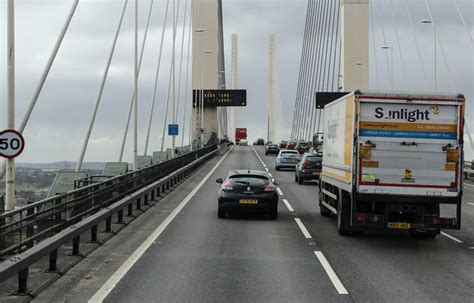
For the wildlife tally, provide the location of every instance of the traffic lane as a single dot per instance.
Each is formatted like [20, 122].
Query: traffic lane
[383, 267]
[243, 259]
[465, 235]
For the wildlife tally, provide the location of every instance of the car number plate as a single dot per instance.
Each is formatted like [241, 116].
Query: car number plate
[248, 201]
[399, 225]
[315, 173]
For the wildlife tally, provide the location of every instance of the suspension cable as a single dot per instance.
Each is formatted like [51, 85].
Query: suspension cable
[132, 99]
[156, 79]
[186, 104]
[101, 89]
[399, 44]
[418, 52]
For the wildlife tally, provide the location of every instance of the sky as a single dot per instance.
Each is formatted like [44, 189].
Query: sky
[57, 127]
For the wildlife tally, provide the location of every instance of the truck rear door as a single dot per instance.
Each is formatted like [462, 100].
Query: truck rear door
[409, 147]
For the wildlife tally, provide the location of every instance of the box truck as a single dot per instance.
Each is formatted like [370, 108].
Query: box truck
[240, 134]
[390, 160]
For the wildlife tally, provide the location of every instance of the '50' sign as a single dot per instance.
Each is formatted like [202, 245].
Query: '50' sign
[11, 143]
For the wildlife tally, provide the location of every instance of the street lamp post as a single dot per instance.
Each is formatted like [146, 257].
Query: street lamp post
[434, 49]
[391, 63]
[198, 113]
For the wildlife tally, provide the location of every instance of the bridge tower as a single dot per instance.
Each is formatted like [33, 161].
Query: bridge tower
[354, 44]
[206, 67]
[271, 95]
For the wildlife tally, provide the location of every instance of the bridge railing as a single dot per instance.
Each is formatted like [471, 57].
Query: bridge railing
[88, 207]
[27, 226]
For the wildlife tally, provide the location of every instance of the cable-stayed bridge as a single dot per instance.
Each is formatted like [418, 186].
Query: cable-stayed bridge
[154, 93]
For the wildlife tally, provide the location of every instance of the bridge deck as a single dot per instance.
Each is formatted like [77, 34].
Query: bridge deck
[247, 259]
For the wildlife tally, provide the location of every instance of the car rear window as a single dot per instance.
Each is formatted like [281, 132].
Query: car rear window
[250, 180]
[314, 159]
[289, 153]
[304, 144]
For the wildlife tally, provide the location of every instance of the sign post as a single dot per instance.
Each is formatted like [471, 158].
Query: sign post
[12, 144]
[173, 130]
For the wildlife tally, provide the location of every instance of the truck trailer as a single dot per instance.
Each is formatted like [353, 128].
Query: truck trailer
[390, 160]
[240, 134]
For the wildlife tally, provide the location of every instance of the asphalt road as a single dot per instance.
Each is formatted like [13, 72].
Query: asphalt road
[196, 257]
[245, 258]
[389, 268]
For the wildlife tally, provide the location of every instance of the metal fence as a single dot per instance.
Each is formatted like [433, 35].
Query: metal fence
[39, 229]
[24, 228]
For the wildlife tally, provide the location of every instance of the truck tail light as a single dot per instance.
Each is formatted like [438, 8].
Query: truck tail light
[369, 218]
[444, 221]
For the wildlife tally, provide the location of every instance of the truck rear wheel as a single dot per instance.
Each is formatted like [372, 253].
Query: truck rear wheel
[343, 214]
[322, 209]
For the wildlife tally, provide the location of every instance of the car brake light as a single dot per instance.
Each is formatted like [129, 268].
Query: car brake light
[307, 163]
[227, 186]
[269, 187]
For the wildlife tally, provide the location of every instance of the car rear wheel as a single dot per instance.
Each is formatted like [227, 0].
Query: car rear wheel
[277, 168]
[220, 213]
[274, 213]
[300, 180]
[296, 178]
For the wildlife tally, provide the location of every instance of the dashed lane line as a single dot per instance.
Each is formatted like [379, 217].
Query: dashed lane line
[108, 286]
[288, 205]
[303, 228]
[471, 185]
[279, 191]
[331, 274]
[451, 237]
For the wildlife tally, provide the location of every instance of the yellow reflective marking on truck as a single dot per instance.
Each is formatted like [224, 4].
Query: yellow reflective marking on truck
[348, 131]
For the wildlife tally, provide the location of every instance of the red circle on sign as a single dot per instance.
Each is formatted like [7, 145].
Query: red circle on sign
[19, 136]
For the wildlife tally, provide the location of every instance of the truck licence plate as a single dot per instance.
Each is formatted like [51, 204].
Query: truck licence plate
[399, 225]
[248, 201]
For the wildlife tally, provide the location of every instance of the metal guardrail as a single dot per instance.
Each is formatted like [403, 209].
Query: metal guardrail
[67, 216]
[26, 227]
[469, 164]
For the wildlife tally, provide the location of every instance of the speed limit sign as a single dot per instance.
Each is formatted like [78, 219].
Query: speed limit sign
[11, 143]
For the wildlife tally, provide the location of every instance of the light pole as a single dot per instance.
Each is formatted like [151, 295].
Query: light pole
[197, 113]
[434, 48]
[391, 63]
[360, 66]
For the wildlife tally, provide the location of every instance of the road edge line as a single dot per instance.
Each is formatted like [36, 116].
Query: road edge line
[110, 284]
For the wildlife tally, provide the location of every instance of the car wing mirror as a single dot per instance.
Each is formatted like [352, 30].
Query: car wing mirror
[220, 181]
[276, 182]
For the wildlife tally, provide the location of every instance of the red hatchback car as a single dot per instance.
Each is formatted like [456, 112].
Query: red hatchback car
[291, 145]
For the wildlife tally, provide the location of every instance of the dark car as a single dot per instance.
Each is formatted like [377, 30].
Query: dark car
[269, 143]
[291, 145]
[302, 147]
[247, 189]
[309, 168]
[260, 141]
[272, 149]
[283, 144]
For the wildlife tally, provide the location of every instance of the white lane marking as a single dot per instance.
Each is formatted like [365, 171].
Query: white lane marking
[279, 191]
[266, 169]
[331, 274]
[303, 228]
[471, 185]
[288, 205]
[470, 203]
[270, 175]
[104, 291]
[451, 237]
